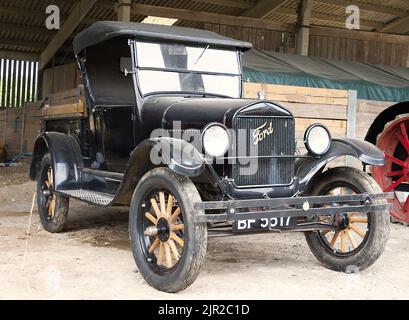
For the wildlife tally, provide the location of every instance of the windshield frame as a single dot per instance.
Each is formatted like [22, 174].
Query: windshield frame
[137, 68]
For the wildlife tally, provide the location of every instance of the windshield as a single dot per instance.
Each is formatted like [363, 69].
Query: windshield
[193, 69]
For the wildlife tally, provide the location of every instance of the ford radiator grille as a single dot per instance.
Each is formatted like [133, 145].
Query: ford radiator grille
[264, 137]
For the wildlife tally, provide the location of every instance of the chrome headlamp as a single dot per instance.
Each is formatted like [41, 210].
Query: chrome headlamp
[317, 139]
[215, 139]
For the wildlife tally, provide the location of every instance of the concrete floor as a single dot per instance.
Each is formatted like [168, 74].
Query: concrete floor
[92, 260]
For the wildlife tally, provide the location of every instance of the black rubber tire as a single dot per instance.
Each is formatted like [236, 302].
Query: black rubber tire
[59, 221]
[378, 228]
[194, 251]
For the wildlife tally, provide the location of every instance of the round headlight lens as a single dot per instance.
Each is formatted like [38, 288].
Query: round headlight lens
[216, 140]
[317, 139]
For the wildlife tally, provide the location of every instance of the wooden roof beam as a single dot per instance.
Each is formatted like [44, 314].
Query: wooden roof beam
[22, 43]
[228, 3]
[77, 15]
[263, 8]
[22, 12]
[207, 17]
[329, 18]
[360, 35]
[399, 26]
[38, 14]
[365, 7]
[25, 29]
[16, 55]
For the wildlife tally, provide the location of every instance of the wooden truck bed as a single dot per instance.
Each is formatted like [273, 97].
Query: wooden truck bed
[70, 103]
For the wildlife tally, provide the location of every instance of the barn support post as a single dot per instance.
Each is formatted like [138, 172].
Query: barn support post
[124, 10]
[351, 120]
[304, 21]
[23, 128]
[352, 113]
[6, 112]
[40, 79]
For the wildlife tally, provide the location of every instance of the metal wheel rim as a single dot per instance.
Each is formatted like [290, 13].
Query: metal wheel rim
[48, 196]
[394, 141]
[340, 242]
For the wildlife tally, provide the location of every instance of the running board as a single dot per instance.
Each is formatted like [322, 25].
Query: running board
[92, 197]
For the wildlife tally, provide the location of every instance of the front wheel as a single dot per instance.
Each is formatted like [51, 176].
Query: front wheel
[168, 245]
[358, 238]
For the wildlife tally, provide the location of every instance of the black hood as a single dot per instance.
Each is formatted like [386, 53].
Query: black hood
[195, 113]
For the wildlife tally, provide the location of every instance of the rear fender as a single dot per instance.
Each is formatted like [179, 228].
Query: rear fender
[383, 118]
[65, 155]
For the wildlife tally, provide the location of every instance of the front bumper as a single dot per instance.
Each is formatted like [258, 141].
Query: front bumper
[235, 210]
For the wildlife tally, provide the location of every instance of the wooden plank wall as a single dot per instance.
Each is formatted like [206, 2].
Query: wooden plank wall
[331, 43]
[367, 111]
[361, 46]
[13, 129]
[309, 105]
[32, 125]
[270, 40]
[63, 77]
[18, 141]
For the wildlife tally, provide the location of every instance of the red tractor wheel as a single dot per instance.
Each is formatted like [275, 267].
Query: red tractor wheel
[394, 175]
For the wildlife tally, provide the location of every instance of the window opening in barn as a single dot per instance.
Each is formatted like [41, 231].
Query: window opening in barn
[18, 82]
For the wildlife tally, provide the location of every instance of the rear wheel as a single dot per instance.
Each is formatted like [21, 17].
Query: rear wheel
[168, 245]
[394, 175]
[52, 207]
[357, 239]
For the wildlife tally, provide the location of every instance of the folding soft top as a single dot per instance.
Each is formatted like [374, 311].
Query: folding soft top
[105, 30]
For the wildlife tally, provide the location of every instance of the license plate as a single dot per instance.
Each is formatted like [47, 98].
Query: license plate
[263, 224]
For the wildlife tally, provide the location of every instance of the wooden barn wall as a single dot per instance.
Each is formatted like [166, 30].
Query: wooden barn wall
[331, 43]
[61, 78]
[309, 105]
[19, 128]
[367, 111]
[367, 47]
[327, 106]
[270, 40]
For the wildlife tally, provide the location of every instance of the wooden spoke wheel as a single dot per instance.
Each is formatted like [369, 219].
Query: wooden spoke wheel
[355, 240]
[168, 243]
[164, 230]
[394, 175]
[52, 207]
[48, 191]
[350, 228]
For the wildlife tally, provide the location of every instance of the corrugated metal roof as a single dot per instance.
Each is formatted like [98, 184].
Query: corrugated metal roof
[18, 16]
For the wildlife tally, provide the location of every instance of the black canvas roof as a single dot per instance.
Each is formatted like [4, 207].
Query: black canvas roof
[104, 30]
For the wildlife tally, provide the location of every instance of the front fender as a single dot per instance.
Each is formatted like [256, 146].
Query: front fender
[179, 155]
[306, 168]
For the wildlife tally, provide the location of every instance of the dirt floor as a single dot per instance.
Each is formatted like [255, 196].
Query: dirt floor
[92, 260]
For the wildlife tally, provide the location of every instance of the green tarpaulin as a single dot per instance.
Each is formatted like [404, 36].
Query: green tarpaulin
[373, 82]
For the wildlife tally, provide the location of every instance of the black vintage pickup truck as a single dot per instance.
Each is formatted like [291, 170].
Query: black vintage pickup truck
[167, 132]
